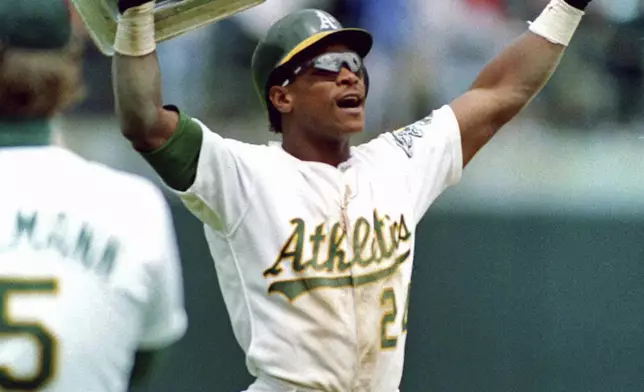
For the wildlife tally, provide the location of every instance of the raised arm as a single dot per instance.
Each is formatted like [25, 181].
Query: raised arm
[136, 79]
[510, 81]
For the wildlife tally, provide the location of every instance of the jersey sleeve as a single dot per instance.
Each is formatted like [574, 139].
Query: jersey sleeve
[206, 172]
[165, 320]
[430, 153]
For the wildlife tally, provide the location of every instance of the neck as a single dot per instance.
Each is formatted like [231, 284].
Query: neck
[20, 132]
[310, 149]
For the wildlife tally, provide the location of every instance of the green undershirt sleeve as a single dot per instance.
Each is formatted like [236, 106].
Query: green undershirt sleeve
[176, 161]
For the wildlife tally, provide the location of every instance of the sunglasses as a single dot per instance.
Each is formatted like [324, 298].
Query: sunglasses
[330, 62]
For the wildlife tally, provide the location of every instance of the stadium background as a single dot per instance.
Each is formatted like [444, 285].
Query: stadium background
[529, 274]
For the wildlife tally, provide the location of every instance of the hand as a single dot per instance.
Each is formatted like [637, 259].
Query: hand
[579, 4]
[124, 5]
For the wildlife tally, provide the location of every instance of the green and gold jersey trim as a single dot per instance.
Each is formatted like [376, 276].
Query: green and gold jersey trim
[24, 132]
[177, 160]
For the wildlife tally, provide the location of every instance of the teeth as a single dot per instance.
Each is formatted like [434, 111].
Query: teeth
[350, 101]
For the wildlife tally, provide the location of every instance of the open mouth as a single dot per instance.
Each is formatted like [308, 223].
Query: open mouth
[350, 101]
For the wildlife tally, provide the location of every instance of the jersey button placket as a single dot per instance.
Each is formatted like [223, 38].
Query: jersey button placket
[345, 199]
[359, 301]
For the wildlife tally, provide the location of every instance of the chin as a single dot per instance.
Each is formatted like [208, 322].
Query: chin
[350, 121]
[353, 126]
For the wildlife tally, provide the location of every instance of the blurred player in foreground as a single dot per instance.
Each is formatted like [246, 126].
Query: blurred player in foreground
[312, 238]
[89, 270]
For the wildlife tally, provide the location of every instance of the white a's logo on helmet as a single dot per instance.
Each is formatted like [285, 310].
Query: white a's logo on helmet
[326, 23]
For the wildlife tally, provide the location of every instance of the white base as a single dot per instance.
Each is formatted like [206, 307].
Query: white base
[172, 18]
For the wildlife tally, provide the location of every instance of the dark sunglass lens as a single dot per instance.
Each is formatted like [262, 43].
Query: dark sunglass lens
[323, 63]
[333, 62]
[355, 62]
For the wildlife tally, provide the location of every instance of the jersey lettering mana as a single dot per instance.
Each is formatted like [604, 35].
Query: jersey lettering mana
[89, 273]
[315, 261]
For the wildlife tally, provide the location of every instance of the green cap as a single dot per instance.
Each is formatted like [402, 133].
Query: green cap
[35, 24]
[294, 35]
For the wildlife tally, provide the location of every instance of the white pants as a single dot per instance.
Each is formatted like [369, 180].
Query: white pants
[267, 384]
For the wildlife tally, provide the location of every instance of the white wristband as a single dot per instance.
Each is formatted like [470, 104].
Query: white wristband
[558, 22]
[135, 31]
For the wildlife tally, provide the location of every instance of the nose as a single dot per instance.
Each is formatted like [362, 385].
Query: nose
[347, 77]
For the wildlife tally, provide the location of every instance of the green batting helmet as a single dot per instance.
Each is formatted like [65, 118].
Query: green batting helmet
[35, 24]
[294, 35]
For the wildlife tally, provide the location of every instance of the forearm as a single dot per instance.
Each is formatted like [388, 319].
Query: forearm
[137, 93]
[508, 83]
[136, 79]
[519, 73]
[169, 142]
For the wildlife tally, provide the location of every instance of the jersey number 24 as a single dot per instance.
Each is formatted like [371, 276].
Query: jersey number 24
[388, 302]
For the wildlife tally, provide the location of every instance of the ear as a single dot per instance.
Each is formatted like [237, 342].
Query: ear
[281, 98]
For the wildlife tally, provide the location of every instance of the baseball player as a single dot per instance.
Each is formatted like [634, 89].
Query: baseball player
[312, 238]
[89, 270]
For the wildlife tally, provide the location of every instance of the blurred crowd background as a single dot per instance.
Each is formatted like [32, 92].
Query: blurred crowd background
[426, 53]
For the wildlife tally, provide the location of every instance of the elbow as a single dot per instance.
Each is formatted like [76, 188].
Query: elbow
[151, 129]
[138, 126]
[510, 102]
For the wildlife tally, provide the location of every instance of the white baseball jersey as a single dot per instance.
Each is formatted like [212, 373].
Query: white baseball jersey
[315, 261]
[89, 273]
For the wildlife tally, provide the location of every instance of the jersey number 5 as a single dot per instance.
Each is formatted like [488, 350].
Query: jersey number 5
[388, 302]
[34, 331]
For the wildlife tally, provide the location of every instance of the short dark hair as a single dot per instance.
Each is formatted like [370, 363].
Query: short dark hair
[40, 83]
[274, 118]
[276, 78]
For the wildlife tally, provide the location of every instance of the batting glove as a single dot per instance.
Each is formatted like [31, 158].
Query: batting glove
[579, 4]
[124, 5]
